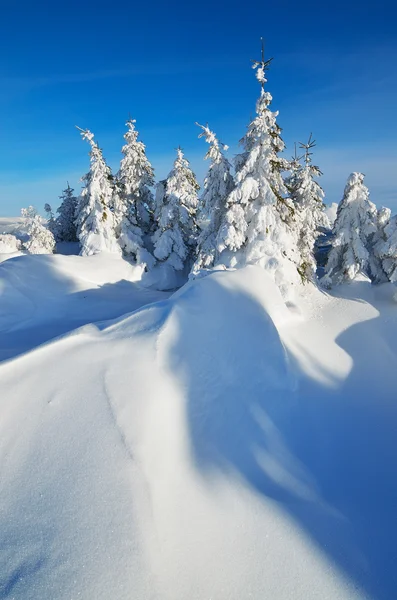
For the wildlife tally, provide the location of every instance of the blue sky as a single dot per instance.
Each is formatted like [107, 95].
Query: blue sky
[168, 65]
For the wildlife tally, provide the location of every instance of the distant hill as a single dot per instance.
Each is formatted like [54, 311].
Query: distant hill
[10, 224]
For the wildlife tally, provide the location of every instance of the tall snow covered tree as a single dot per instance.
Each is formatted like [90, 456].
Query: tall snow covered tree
[309, 214]
[353, 231]
[217, 186]
[255, 229]
[133, 201]
[383, 261]
[176, 206]
[94, 219]
[40, 240]
[65, 226]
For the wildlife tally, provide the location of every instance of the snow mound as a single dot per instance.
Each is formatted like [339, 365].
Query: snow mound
[44, 296]
[9, 244]
[196, 448]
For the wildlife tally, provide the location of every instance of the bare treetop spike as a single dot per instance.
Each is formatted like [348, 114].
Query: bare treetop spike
[307, 147]
[262, 65]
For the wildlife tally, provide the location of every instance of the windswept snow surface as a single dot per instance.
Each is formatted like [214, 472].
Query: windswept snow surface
[44, 296]
[212, 445]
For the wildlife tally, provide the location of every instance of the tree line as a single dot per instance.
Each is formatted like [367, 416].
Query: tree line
[268, 211]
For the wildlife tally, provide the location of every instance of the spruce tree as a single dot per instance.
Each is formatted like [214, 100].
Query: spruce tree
[309, 214]
[133, 200]
[65, 226]
[51, 222]
[353, 231]
[255, 229]
[40, 239]
[383, 263]
[217, 186]
[94, 218]
[176, 207]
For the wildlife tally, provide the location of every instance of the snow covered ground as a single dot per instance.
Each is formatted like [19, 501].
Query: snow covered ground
[213, 444]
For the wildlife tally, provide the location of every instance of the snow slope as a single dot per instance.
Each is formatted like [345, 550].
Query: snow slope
[44, 296]
[215, 444]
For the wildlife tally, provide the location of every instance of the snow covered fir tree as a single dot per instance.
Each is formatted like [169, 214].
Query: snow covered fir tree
[94, 217]
[133, 200]
[264, 211]
[175, 238]
[257, 226]
[40, 239]
[186, 413]
[50, 219]
[353, 232]
[383, 261]
[309, 215]
[65, 226]
[217, 186]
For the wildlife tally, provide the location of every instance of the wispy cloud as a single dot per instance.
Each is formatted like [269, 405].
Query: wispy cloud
[167, 68]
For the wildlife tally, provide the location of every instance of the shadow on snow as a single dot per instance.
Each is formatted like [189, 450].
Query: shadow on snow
[41, 304]
[326, 456]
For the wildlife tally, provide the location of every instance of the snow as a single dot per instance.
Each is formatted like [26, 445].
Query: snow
[213, 203]
[255, 228]
[9, 244]
[176, 204]
[331, 212]
[11, 228]
[44, 296]
[353, 231]
[215, 443]
[94, 218]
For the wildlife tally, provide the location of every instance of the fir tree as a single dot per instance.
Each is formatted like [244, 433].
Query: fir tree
[94, 219]
[353, 231]
[133, 201]
[40, 239]
[383, 261]
[176, 206]
[255, 228]
[51, 223]
[65, 226]
[217, 187]
[309, 215]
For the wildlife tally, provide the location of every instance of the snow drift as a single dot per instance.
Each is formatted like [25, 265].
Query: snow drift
[215, 444]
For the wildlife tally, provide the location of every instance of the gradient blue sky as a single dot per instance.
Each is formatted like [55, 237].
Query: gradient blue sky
[169, 64]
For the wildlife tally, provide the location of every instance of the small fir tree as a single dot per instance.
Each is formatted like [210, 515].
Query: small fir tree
[65, 226]
[176, 206]
[353, 231]
[94, 220]
[309, 214]
[51, 222]
[217, 187]
[40, 239]
[256, 227]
